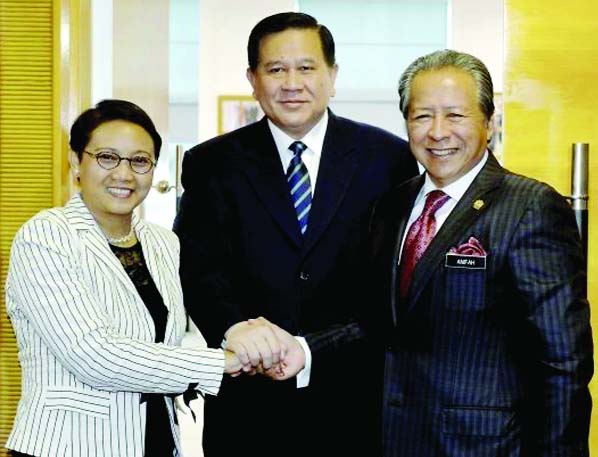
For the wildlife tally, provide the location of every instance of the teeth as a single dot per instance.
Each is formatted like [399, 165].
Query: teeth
[441, 152]
[118, 192]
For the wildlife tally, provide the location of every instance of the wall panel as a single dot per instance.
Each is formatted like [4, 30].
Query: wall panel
[551, 100]
[29, 149]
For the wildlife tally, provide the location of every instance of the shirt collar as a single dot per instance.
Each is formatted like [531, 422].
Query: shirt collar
[456, 189]
[314, 139]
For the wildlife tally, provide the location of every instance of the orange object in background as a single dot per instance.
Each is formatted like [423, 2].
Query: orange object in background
[550, 100]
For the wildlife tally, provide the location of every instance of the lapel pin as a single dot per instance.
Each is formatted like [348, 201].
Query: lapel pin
[478, 205]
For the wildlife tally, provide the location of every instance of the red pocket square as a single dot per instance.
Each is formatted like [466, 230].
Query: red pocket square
[472, 247]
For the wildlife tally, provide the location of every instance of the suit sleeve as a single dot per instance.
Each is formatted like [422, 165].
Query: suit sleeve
[548, 267]
[356, 278]
[203, 225]
[326, 342]
[53, 300]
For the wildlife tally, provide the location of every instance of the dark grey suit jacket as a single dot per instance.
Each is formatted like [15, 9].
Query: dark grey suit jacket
[243, 256]
[490, 361]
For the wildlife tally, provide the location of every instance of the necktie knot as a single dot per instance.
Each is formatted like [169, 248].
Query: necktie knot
[434, 202]
[297, 148]
[418, 238]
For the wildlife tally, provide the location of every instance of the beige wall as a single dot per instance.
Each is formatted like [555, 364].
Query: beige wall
[140, 56]
[477, 27]
[223, 31]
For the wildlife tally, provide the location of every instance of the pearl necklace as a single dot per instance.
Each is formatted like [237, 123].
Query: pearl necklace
[123, 239]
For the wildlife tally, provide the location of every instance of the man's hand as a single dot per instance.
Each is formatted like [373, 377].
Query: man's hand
[292, 361]
[255, 344]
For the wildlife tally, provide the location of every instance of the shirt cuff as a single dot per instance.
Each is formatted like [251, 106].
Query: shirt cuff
[303, 375]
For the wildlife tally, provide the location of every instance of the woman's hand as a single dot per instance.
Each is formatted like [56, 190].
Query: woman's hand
[232, 365]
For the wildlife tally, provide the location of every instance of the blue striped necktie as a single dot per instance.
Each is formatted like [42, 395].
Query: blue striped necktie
[300, 185]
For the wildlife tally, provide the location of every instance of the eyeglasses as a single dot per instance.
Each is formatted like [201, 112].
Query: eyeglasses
[108, 160]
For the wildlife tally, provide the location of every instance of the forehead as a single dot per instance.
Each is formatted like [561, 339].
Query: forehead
[444, 86]
[291, 43]
[121, 134]
[118, 127]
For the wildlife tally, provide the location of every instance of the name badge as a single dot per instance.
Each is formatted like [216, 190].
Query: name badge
[472, 262]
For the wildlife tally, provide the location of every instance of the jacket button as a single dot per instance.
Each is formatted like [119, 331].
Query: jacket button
[397, 401]
[303, 276]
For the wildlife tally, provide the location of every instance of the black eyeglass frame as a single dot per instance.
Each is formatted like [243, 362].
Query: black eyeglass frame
[120, 159]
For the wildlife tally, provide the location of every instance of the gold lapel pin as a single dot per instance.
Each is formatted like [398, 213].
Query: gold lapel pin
[478, 205]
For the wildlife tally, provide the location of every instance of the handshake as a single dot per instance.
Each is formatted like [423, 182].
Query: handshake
[259, 346]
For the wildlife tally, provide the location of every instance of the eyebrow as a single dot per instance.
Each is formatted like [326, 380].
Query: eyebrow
[116, 151]
[282, 61]
[444, 108]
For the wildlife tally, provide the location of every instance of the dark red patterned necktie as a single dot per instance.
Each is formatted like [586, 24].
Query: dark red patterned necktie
[419, 237]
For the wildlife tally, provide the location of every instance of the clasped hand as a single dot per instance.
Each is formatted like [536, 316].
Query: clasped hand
[259, 346]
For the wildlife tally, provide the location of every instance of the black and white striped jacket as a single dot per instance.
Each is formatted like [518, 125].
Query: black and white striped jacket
[85, 337]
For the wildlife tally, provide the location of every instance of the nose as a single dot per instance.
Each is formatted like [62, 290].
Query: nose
[123, 171]
[439, 129]
[293, 80]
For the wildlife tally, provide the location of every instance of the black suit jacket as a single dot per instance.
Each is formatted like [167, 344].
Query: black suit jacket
[243, 256]
[490, 361]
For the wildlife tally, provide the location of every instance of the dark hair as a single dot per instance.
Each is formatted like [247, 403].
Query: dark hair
[111, 110]
[284, 21]
[447, 58]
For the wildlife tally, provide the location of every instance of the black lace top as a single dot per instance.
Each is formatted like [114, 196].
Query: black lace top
[158, 434]
[134, 264]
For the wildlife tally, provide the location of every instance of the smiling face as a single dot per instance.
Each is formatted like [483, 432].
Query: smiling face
[292, 81]
[447, 130]
[111, 195]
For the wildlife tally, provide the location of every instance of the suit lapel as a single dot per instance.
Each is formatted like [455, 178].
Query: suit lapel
[337, 166]
[403, 210]
[459, 221]
[265, 173]
[154, 251]
[94, 240]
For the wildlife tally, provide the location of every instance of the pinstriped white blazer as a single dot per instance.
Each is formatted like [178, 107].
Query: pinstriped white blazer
[85, 337]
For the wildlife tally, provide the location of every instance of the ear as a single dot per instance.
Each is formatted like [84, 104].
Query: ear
[75, 165]
[251, 78]
[333, 73]
[490, 129]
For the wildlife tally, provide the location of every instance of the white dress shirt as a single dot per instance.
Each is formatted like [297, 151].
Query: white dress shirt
[314, 140]
[455, 191]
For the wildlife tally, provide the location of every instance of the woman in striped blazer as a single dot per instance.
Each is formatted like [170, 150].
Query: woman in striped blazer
[94, 296]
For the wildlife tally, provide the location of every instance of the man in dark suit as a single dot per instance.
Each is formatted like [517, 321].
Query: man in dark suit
[269, 221]
[488, 347]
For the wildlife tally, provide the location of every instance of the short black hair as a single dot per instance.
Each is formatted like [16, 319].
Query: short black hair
[106, 111]
[284, 21]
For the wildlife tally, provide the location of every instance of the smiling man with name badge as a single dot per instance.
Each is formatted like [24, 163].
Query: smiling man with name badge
[487, 340]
